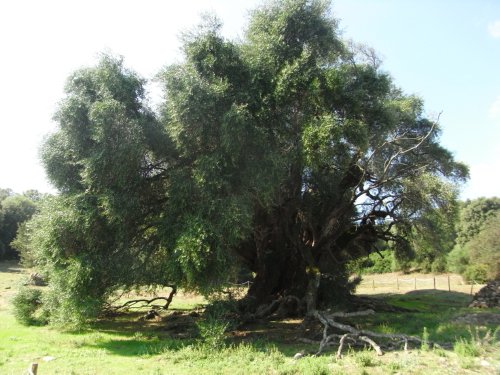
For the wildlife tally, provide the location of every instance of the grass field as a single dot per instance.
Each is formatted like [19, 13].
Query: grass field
[127, 345]
[397, 282]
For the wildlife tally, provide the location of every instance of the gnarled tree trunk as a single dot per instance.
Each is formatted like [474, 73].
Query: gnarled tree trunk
[287, 264]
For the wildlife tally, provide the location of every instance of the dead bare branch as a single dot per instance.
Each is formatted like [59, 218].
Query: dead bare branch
[354, 334]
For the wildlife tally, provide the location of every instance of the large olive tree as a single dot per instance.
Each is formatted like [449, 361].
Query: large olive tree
[287, 153]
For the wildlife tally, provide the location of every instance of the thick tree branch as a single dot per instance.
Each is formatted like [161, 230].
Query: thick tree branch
[131, 303]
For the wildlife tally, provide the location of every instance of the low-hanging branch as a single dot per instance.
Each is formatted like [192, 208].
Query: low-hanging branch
[131, 303]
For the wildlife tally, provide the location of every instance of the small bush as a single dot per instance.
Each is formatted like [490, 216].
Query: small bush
[216, 321]
[439, 265]
[395, 366]
[212, 332]
[480, 340]
[374, 263]
[457, 260]
[476, 273]
[27, 305]
[365, 359]
[466, 348]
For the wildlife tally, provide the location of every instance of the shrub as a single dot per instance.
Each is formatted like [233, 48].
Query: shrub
[212, 332]
[374, 263]
[466, 348]
[27, 305]
[439, 265]
[365, 359]
[477, 256]
[480, 340]
[216, 321]
[457, 260]
[476, 273]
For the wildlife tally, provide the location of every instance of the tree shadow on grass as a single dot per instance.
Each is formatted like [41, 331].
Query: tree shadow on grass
[435, 310]
[11, 266]
[140, 338]
[129, 336]
[144, 346]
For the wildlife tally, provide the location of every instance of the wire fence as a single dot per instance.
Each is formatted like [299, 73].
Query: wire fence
[395, 283]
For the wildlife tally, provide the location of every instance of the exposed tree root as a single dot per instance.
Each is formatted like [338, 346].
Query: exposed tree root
[342, 333]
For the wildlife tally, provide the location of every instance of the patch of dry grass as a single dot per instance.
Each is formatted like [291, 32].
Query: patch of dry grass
[397, 282]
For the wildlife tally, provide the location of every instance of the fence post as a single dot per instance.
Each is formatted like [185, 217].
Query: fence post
[415, 286]
[32, 370]
[397, 283]
[434, 278]
[471, 287]
[373, 283]
[449, 285]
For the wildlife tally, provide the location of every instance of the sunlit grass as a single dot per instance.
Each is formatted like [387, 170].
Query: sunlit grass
[127, 345]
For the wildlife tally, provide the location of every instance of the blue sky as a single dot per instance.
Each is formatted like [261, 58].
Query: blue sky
[446, 51]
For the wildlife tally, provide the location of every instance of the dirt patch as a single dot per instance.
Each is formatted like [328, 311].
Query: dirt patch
[11, 266]
[179, 324]
[10, 276]
[285, 331]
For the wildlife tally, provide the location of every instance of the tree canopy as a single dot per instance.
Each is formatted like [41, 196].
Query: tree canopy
[15, 209]
[473, 215]
[476, 253]
[287, 153]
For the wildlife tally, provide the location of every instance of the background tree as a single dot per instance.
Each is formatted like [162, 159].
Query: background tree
[484, 251]
[431, 239]
[473, 215]
[22, 242]
[288, 153]
[14, 210]
[4, 193]
[475, 254]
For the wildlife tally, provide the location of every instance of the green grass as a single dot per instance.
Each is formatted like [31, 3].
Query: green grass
[125, 345]
[433, 309]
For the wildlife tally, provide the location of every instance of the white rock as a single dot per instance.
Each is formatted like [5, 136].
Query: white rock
[298, 355]
[484, 363]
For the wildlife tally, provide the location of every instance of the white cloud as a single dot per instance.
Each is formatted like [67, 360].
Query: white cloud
[494, 29]
[495, 109]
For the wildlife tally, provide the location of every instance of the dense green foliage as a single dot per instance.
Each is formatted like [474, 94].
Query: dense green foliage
[433, 243]
[476, 254]
[381, 262]
[429, 242]
[27, 304]
[15, 209]
[473, 215]
[484, 248]
[287, 153]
